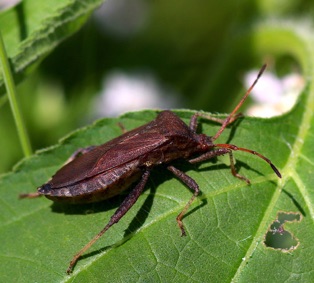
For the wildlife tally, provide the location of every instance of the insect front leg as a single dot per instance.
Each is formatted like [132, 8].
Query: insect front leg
[192, 185]
[120, 212]
[233, 170]
[218, 152]
[209, 155]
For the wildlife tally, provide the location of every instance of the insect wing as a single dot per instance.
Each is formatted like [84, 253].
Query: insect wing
[114, 153]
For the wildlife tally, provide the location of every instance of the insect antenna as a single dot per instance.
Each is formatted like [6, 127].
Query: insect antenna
[234, 147]
[228, 120]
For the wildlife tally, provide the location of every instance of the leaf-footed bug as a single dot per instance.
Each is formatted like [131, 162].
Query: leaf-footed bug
[101, 172]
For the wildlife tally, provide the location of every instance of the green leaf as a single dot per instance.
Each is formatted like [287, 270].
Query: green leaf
[33, 28]
[226, 225]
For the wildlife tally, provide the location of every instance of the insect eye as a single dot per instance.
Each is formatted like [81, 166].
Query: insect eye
[204, 141]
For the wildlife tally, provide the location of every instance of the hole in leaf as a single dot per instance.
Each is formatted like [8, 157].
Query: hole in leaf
[277, 237]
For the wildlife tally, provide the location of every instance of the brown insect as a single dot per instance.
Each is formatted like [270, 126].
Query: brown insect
[101, 172]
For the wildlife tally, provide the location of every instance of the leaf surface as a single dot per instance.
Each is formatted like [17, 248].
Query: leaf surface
[33, 28]
[226, 225]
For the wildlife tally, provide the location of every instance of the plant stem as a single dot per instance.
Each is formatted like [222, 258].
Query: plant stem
[11, 92]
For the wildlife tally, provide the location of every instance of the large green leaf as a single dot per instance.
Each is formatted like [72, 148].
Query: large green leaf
[226, 225]
[33, 28]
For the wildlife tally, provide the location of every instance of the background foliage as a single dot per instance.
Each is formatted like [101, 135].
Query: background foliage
[200, 50]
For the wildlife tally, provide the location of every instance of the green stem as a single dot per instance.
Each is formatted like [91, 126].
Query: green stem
[11, 92]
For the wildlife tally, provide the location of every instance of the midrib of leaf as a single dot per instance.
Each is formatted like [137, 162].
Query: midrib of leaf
[289, 170]
[295, 176]
[296, 152]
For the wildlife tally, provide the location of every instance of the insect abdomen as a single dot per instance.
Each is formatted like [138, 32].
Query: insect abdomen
[96, 188]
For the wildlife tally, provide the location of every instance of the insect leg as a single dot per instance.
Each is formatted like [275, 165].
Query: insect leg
[194, 122]
[217, 152]
[209, 155]
[233, 170]
[192, 185]
[30, 195]
[120, 212]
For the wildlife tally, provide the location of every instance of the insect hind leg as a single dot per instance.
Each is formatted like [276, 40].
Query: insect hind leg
[120, 212]
[30, 195]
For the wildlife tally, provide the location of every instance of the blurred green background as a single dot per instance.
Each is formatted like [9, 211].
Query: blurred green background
[193, 53]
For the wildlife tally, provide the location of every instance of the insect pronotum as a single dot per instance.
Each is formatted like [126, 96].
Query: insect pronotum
[101, 172]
